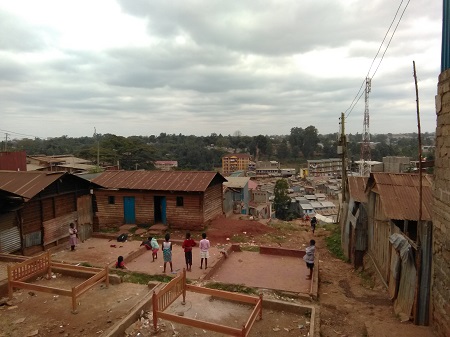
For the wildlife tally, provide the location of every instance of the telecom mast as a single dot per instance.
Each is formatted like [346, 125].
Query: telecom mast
[364, 166]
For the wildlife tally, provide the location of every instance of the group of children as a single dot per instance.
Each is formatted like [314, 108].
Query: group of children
[166, 247]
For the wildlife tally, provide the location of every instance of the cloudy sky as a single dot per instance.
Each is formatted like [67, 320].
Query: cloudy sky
[142, 67]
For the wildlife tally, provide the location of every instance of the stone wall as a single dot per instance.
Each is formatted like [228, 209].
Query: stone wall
[441, 209]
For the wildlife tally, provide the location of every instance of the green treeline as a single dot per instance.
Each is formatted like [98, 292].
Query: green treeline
[205, 152]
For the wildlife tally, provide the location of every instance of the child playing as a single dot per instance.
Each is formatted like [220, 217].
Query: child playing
[147, 243]
[155, 248]
[187, 245]
[204, 251]
[73, 235]
[120, 264]
[167, 252]
[309, 257]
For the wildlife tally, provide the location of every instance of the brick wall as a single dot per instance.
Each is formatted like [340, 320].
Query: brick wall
[441, 207]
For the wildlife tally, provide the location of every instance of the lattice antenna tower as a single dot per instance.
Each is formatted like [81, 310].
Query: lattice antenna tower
[364, 168]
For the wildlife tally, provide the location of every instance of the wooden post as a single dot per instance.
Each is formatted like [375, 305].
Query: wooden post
[260, 309]
[155, 310]
[74, 301]
[107, 276]
[10, 288]
[49, 270]
[184, 286]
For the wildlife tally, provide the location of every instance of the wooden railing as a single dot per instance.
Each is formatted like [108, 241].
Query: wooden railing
[19, 273]
[178, 286]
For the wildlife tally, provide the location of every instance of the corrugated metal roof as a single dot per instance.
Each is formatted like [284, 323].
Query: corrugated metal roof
[399, 193]
[236, 182]
[357, 187]
[27, 184]
[187, 181]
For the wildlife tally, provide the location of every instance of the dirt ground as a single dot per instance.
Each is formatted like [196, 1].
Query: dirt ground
[42, 314]
[350, 304]
[231, 314]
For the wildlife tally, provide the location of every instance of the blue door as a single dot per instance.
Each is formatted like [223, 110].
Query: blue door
[129, 212]
[160, 209]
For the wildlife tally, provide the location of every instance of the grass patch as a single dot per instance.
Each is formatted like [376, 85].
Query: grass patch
[86, 264]
[249, 248]
[333, 242]
[284, 226]
[239, 238]
[367, 280]
[236, 288]
[277, 238]
[141, 278]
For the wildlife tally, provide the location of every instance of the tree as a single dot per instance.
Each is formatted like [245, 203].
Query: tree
[296, 140]
[310, 141]
[283, 150]
[282, 201]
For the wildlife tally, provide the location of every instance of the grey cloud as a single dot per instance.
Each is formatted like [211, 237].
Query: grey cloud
[20, 36]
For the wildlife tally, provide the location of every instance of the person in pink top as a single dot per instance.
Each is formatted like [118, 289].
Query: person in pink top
[204, 251]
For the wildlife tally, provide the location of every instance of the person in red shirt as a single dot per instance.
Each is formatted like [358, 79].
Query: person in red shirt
[187, 246]
[120, 264]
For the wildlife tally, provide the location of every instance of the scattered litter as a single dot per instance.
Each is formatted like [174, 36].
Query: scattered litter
[114, 246]
[20, 320]
[276, 329]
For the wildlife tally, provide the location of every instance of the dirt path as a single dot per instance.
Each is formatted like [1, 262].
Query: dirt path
[348, 307]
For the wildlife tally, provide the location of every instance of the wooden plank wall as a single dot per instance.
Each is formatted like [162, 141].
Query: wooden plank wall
[213, 205]
[31, 217]
[58, 228]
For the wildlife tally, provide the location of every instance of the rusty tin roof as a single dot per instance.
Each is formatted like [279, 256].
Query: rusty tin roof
[27, 184]
[357, 188]
[399, 193]
[186, 181]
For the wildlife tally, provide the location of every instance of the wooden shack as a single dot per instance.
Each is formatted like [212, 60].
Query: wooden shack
[179, 199]
[37, 208]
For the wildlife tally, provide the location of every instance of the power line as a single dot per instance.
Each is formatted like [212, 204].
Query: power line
[382, 56]
[357, 98]
[17, 133]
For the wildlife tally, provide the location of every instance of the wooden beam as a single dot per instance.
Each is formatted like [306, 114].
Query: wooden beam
[36, 287]
[201, 324]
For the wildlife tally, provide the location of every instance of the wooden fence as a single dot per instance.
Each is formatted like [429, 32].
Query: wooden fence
[19, 273]
[178, 286]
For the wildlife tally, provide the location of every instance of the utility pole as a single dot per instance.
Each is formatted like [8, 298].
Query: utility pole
[98, 149]
[364, 168]
[6, 142]
[342, 149]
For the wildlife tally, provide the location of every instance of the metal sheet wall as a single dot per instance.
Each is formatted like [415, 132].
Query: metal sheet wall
[405, 298]
[9, 233]
[32, 239]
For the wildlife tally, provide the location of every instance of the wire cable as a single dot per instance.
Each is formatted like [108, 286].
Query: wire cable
[18, 133]
[357, 98]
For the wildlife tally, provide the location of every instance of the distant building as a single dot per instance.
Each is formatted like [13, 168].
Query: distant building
[235, 162]
[66, 163]
[396, 164]
[268, 168]
[165, 165]
[13, 161]
[236, 195]
[325, 167]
